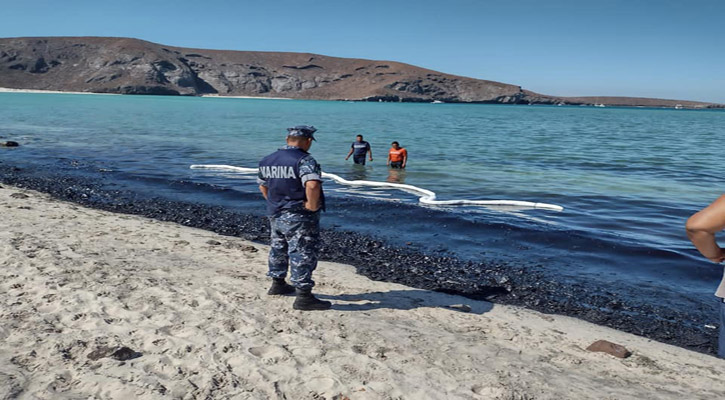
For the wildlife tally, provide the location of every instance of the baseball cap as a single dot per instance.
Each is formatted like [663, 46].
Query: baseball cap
[303, 131]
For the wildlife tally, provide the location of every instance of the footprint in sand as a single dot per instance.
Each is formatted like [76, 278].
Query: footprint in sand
[322, 384]
[489, 392]
[271, 353]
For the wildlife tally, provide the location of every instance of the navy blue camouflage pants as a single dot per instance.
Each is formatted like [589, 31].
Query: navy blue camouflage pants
[295, 243]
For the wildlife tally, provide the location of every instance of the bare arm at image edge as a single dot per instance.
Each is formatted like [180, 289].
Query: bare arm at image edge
[264, 191]
[702, 227]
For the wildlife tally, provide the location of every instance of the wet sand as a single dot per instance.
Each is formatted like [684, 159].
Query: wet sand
[105, 305]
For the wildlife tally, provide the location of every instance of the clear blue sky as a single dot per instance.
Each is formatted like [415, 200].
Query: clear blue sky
[666, 49]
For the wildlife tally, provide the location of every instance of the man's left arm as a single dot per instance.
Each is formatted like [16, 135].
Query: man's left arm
[370, 152]
[405, 158]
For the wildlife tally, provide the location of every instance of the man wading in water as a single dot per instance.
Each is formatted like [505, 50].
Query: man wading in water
[359, 148]
[290, 180]
[397, 156]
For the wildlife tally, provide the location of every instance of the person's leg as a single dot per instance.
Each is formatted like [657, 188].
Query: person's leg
[278, 258]
[721, 344]
[304, 247]
[359, 159]
[304, 244]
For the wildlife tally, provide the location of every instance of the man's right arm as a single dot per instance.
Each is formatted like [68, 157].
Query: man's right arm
[262, 184]
[349, 153]
[702, 227]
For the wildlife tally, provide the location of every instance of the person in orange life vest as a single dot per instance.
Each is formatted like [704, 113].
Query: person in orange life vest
[397, 156]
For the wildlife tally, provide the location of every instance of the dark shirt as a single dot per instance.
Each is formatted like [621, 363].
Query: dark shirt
[360, 148]
[284, 173]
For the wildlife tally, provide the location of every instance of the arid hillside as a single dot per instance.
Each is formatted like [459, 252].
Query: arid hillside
[132, 66]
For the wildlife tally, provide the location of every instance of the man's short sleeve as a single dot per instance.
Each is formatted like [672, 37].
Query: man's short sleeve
[310, 170]
[367, 146]
[260, 179]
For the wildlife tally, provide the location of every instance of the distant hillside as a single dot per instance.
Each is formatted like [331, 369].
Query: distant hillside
[132, 66]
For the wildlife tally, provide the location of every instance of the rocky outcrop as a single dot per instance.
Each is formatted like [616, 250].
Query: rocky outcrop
[131, 66]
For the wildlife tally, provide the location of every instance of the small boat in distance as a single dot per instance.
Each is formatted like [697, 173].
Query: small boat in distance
[436, 102]
[678, 107]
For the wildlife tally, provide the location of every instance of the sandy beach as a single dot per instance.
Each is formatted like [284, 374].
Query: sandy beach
[111, 306]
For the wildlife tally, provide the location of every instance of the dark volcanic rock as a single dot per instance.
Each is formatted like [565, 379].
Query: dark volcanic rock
[614, 349]
[9, 143]
[121, 353]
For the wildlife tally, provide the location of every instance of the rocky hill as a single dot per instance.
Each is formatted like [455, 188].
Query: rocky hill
[132, 66]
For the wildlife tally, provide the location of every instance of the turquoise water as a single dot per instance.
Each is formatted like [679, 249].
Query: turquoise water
[627, 178]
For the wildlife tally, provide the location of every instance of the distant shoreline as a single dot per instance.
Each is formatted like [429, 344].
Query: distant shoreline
[216, 96]
[11, 90]
[245, 97]
[40, 91]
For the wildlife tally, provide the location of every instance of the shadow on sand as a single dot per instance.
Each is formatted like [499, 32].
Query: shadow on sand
[405, 300]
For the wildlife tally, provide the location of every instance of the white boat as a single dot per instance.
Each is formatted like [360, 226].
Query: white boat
[678, 106]
[436, 102]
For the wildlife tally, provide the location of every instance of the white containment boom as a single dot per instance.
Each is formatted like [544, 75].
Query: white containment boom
[426, 196]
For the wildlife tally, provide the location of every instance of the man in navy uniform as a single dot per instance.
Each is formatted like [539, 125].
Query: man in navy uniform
[290, 180]
[358, 150]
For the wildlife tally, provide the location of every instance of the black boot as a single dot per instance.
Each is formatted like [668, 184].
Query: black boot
[305, 301]
[280, 287]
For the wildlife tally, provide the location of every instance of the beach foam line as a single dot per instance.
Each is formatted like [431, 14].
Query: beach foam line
[425, 196]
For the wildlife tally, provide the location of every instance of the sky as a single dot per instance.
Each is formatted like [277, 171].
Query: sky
[656, 48]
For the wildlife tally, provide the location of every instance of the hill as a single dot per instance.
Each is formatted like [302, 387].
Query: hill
[132, 66]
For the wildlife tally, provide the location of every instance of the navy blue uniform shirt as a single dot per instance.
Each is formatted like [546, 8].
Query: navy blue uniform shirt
[285, 173]
[360, 148]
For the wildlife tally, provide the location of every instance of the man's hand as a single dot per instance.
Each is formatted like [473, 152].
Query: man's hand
[346, 158]
[371, 159]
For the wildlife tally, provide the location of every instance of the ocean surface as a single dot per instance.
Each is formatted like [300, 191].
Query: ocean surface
[627, 178]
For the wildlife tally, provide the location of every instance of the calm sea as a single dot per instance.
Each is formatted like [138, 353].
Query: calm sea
[628, 178]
